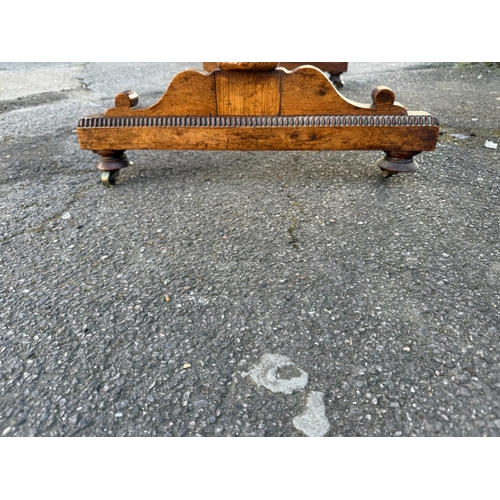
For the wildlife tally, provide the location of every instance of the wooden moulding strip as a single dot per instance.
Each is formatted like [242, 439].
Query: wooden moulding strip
[255, 138]
[412, 120]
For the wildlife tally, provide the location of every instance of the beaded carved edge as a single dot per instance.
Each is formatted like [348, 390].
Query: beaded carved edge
[262, 121]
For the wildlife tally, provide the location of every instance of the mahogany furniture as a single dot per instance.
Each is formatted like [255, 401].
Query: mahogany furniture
[334, 69]
[258, 106]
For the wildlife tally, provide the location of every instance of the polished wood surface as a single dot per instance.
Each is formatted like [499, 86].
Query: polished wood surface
[268, 137]
[189, 93]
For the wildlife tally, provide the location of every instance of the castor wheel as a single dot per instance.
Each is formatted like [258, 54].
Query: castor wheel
[386, 173]
[108, 178]
[110, 164]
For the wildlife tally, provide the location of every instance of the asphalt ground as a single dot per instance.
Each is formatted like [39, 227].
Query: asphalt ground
[248, 293]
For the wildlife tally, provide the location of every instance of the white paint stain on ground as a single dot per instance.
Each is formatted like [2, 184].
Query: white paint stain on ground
[313, 422]
[266, 373]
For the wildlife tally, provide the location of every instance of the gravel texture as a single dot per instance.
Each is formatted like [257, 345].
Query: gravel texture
[140, 310]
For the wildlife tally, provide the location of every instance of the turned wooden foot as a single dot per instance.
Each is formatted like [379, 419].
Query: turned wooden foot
[110, 164]
[395, 161]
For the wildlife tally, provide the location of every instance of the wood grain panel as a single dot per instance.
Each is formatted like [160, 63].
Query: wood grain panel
[189, 93]
[247, 93]
[307, 91]
[405, 138]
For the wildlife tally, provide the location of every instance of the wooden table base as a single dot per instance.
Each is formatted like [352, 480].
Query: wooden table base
[258, 106]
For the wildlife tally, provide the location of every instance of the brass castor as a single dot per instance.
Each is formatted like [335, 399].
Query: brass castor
[386, 173]
[110, 164]
[108, 178]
